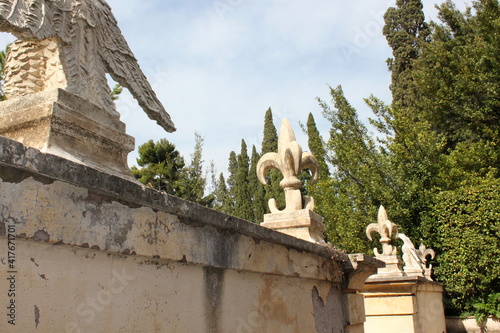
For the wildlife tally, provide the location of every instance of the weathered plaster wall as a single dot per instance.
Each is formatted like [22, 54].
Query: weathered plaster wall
[96, 253]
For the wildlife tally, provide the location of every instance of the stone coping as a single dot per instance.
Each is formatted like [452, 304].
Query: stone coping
[400, 279]
[50, 168]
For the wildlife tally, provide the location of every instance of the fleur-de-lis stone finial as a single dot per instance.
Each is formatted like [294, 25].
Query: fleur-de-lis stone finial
[424, 254]
[290, 160]
[385, 228]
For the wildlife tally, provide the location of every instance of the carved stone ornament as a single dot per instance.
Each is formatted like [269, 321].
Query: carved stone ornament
[389, 253]
[72, 44]
[424, 254]
[58, 98]
[295, 220]
[414, 260]
[385, 228]
[290, 160]
[413, 263]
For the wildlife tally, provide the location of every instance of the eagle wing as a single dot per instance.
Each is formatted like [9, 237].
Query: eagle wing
[39, 19]
[42, 19]
[123, 67]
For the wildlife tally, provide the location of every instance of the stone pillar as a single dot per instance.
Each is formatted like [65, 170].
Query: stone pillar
[61, 123]
[400, 304]
[402, 300]
[295, 220]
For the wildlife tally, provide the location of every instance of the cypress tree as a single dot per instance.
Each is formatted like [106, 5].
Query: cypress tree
[231, 183]
[270, 144]
[242, 199]
[315, 143]
[406, 32]
[270, 140]
[256, 189]
[192, 181]
[221, 202]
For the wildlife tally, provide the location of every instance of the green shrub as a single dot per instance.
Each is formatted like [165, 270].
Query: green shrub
[464, 229]
[490, 307]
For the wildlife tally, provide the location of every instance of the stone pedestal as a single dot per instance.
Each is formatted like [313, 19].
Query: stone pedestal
[60, 123]
[405, 304]
[393, 266]
[304, 224]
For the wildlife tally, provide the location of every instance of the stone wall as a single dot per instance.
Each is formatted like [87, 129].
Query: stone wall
[96, 253]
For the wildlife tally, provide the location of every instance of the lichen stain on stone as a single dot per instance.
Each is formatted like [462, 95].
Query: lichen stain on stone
[213, 284]
[14, 176]
[221, 247]
[41, 236]
[97, 199]
[37, 316]
[329, 313]
[120, 236]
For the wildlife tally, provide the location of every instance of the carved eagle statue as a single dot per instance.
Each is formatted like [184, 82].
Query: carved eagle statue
[90, 44]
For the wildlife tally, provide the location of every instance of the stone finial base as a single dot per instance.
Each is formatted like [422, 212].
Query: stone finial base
[60, 123]
[392, 267]
[304, 224]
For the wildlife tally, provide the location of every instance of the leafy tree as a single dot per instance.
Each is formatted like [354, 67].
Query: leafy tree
[458, 79]
[411, 150]
[191, 185]
[437, 161]
[116, 91]
[464, 228]
[358, 185]
[3, 58]
[161, 166]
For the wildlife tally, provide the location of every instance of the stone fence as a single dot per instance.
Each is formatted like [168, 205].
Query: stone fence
[85, 251]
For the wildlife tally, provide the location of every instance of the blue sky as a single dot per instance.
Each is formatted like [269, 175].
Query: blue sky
[218, 65]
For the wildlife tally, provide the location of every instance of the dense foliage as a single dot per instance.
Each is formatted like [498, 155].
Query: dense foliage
[3, 57]
[162, 167]
[435, 163]
[464, 228]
